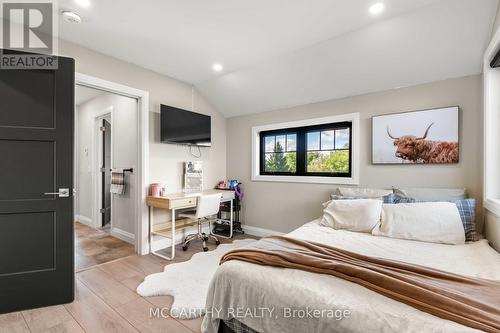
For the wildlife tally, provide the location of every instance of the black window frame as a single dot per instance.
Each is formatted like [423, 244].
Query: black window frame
[301, 149]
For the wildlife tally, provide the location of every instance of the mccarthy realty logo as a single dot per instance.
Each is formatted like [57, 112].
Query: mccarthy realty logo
[29, 39]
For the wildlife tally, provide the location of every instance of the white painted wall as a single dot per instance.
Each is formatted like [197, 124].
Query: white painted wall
[124, 132]
[165, 163]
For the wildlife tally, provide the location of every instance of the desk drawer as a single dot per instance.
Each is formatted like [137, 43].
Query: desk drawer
[228, 195]
[183, 203]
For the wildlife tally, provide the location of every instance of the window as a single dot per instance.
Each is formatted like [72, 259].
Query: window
[491, 155]
[318, 150]
[280, 153]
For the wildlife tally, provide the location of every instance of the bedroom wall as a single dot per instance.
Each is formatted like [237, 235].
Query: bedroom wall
[166, 161]
[285, 206]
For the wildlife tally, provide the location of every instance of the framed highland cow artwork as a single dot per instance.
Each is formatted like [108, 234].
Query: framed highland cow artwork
[417, 137]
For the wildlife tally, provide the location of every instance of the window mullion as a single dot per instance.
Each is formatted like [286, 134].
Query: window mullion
[301, 152]
[334, 139]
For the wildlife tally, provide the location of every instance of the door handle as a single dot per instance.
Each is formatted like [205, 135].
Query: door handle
[63, 193]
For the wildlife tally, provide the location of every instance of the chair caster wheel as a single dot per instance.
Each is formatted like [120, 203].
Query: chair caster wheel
[184, 247]
[205, 239]
[217, 243]
[205, 249]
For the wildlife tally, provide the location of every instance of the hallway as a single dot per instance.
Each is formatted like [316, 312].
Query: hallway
[96, 246]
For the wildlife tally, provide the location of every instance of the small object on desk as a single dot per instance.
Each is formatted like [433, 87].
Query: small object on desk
[221, 185]
[155, 189]
[193, 176]
[233, 183]
[229, 184]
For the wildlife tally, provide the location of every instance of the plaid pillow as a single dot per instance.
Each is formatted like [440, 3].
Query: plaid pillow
[466, 209]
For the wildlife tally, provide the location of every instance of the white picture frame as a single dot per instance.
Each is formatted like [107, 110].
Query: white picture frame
[417, 137]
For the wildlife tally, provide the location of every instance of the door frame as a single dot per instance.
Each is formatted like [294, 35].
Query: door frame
[97, 162]
[141, 225]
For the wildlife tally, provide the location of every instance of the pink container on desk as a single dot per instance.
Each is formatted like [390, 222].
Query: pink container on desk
[155, 189]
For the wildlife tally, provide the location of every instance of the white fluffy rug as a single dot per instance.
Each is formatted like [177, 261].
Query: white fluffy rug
[188, 281]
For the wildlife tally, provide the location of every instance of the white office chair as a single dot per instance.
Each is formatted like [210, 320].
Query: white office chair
[206, 207]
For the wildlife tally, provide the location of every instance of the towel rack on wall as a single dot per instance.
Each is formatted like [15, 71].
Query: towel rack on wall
[124, 170]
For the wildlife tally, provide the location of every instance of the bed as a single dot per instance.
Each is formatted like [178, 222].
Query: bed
[270, 299]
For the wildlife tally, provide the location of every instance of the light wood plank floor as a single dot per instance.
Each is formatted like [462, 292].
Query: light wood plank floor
[96, 246]
[106, 301]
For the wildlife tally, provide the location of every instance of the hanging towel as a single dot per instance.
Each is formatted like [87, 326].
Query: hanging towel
[117, 181]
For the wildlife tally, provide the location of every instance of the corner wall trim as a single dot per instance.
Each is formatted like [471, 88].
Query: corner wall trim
[493, 206]
[261, 232]
[123, 235]
[85, 220]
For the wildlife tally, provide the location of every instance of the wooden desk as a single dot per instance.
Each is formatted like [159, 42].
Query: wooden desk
[177, 201]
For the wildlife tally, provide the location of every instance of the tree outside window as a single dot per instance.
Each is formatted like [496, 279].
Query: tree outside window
[328, 151]
[280, 153]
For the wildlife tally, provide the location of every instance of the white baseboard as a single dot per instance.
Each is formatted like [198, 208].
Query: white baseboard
[123, 235]
[260, 232]
[85, 220]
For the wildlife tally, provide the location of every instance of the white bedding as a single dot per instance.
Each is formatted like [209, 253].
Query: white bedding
[240, 285]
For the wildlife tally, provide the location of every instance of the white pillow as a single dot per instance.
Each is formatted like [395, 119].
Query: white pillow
[435, 222]
[431, 194]
[356, 192]
[360, 215]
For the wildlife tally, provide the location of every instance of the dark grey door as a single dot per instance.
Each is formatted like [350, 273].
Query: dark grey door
[106, 172]
[36, 157]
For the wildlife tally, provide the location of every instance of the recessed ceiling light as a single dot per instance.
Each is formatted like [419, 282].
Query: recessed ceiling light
[83, 3]
[71, 17]
[217, 67]
[377, 8]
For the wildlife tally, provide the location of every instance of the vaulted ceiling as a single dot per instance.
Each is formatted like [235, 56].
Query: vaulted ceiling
[278, 53]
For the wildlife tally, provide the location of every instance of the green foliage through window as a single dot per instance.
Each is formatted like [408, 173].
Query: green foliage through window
[280, 161]
[333, 161]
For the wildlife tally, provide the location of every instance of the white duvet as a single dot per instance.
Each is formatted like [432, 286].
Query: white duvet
[263, 297]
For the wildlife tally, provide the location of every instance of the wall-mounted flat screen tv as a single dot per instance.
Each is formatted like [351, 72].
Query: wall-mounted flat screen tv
[180, 126]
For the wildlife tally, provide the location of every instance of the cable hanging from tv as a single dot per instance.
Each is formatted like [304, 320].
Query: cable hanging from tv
[193, 154]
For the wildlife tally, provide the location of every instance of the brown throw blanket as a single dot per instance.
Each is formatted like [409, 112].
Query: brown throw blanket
[469, 301]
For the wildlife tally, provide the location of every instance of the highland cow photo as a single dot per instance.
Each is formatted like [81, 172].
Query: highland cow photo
[418, 137]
